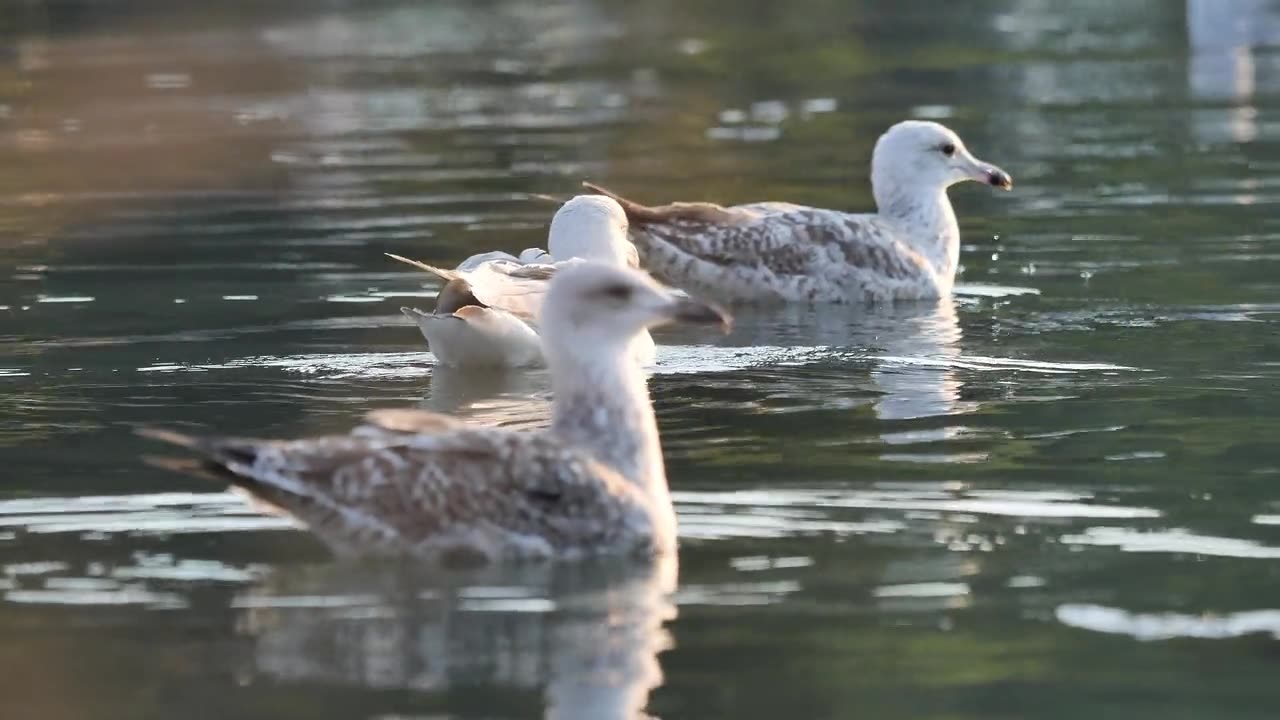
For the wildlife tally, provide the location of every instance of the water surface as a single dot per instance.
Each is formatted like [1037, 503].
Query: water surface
[1053, 496]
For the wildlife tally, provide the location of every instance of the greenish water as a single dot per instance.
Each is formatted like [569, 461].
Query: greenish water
[1059, 504]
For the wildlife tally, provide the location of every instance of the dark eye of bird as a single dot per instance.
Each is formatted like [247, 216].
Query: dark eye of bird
[617, 292]
[949, 149]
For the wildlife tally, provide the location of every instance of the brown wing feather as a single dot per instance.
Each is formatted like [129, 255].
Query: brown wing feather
[701, 212]
[506, 285]
[491, 493]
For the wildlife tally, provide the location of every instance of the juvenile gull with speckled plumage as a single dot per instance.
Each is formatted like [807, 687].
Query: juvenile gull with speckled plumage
[483, 313]
[426, 485]
[908, 250]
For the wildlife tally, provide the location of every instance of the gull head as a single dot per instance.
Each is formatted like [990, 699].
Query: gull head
[592, 306]
[591, 227]
[455, 295]
[926, 157]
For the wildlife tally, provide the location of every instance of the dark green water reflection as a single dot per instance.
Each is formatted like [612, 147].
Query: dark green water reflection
[1013, 505]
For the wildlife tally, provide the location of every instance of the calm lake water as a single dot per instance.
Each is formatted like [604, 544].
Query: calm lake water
[1055, 496]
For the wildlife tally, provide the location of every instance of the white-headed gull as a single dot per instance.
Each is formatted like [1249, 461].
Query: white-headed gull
[415, 483]
[483, 314]
[908, 250]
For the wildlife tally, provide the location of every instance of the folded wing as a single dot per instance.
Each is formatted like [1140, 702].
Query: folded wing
[509, 285]
[772, 250]
[417, 483]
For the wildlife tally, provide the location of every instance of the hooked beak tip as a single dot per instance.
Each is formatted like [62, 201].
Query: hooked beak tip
[999, 179]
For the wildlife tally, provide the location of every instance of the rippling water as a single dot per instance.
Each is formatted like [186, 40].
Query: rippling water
[1053, 496]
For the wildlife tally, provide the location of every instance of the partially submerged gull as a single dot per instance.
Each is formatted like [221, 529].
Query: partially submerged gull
[483, 312]
[415, 483]
[908, 250]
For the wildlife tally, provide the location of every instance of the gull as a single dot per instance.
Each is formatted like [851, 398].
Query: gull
[414, 483]
[482, 314]
[908, 250]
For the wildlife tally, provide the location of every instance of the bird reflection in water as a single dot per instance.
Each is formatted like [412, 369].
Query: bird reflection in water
[912, 352]
[586, 635]
[917, 371]
[516, 398]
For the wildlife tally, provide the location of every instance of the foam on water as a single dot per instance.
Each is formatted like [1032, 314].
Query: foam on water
[1174, 540]
[671, 360]
[1167, 626]
[992, 291]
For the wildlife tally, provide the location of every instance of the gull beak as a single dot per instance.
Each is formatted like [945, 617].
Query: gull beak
[694, 312]
[989, 174]
[985, 173]
[995, 177]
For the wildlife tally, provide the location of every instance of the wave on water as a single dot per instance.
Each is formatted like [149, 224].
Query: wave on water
[672, 360]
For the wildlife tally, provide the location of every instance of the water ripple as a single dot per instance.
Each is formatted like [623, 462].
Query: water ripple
[1008, 503]
[142, 514]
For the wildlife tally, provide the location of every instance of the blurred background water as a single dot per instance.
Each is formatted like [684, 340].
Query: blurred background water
[1053, 496]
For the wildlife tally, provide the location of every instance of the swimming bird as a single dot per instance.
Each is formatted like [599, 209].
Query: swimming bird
[415, 483]
[482, 314]
[908, 250]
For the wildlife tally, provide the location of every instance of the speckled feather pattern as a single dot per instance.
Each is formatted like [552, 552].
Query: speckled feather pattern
[457, 495]
[909, 249]
[420, 484]
[587, 227]
[796, 253]
[622, 437]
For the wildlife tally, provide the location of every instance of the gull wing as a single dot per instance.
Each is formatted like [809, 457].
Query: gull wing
[509, 285]
[417, 483]
[765, 250]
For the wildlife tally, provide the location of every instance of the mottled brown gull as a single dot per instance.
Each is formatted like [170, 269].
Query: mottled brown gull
[426, 485]
[908, 250]
[483, 314]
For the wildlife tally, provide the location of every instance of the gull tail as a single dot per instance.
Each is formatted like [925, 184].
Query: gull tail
[226, 450]
[438, 272]
[557, 199]
[230, 460]
[703, 212]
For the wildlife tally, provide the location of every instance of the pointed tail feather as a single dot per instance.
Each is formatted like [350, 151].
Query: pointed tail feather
[219, 456]
[636, 212]
[558, 200]
[255, 493]
[438, 272]
[264, 498]
[229, 460]
[172, 437]
[704, 212]
[223, 451]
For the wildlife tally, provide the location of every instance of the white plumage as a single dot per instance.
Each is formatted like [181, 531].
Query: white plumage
[418, 483]
[474, 336]
[908, 250]
[484, 314]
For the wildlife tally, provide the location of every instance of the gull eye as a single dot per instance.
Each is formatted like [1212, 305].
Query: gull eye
[948, 149]
[621, 293]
